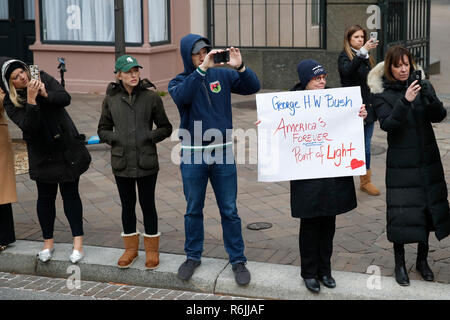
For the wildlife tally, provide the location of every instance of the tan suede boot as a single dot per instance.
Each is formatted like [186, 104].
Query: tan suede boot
[367, 186]
[151, 250]
[130, 255]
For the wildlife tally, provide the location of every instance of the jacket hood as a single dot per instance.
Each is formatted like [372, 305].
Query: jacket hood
[116, 87]
[375, 78]
[186, 45]
[377, 81]
[5, 62]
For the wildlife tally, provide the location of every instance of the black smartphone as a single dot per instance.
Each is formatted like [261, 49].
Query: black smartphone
[223, 56]
[416, 75]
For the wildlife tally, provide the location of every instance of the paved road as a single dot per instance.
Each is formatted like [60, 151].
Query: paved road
[24, 287]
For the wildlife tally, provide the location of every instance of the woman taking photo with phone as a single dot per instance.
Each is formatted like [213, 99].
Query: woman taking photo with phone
[8, 193]
[354, 64]
[57, 155]
[416, 191]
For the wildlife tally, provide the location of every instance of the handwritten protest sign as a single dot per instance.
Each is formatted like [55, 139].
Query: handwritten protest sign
[310, 134]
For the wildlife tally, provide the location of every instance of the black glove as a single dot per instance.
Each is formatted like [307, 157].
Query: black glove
[426, 93]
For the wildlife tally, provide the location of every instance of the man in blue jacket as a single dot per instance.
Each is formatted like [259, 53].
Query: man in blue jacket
[202, 94]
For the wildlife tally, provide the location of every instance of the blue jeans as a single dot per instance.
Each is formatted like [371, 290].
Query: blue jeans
[368, 132]
[223, 179]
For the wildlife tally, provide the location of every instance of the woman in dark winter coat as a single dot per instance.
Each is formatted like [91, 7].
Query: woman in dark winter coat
[354, 64]
[56, 152]
[129, 112]
[416, 194]
[318, 201]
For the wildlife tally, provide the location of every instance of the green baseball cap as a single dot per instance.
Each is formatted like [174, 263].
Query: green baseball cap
[125, 63]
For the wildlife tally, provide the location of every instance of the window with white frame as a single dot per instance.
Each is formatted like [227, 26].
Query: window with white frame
[158, 14]
[88, 21]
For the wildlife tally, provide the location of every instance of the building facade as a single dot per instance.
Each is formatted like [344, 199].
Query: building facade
[274, 35]
[82, 31]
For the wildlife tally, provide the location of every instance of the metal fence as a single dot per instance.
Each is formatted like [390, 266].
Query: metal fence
[407, 23]
[267, 23]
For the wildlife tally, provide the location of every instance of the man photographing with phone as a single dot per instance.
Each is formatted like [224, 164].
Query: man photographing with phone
[202, 94]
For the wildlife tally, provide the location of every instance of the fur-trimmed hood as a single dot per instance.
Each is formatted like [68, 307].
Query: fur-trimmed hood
[375, 78]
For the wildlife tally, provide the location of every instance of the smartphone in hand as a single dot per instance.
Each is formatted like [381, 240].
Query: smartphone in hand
[415, 75]
[223, 56]
[34, 72]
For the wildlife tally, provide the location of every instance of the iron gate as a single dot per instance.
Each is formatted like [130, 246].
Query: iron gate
[267, 23]
[407, 23]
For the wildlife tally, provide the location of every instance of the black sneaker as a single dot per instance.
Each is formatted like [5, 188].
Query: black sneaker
[241, 274]
[187, 269]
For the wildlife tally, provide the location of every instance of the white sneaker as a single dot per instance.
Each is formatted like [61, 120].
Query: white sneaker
[76, 256]
[46, 255]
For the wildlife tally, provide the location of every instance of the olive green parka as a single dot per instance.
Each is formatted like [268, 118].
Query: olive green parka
[126, 123]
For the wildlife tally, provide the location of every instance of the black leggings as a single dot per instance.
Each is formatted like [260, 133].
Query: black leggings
[127, 191]
[7, 234]
[46, 209]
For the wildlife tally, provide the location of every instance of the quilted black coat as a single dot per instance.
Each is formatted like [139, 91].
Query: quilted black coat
[416, 195]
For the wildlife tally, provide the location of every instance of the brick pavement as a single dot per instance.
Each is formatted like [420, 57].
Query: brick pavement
[101, 291]
[360, 239]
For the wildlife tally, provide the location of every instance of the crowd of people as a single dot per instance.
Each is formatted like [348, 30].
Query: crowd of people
[133, 121]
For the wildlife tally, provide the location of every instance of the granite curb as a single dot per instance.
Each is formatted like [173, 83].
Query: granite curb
[269, 281]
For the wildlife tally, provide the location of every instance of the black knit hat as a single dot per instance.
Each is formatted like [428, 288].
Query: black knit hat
[7, 67]
[11, 68]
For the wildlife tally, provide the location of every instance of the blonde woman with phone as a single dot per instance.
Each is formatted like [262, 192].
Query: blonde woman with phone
[354, 64]
[57, 155]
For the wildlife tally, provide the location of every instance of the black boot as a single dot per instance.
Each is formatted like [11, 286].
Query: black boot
[421, 262]
[401, 275]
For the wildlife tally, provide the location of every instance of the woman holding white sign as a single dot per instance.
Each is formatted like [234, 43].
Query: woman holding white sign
[318, 201]
[354, 64]
[416, 191]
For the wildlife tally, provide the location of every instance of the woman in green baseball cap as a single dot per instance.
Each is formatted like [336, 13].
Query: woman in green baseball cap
[129, 112]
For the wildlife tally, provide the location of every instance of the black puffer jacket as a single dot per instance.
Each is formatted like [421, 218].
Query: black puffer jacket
[56, 151]
[354, 73]
[127, 123]
[312, 198]
[416, 194]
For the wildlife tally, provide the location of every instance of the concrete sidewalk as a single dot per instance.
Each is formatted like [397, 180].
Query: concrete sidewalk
[269, 281]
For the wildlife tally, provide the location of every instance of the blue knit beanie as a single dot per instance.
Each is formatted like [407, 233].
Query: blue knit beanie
[308, 69]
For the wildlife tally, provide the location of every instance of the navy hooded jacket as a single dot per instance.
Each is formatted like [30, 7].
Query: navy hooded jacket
[207, 98]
